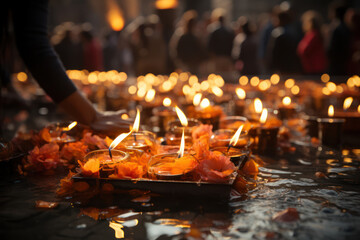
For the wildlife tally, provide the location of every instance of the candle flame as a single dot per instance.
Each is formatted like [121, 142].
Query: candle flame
[137, 121]
[182, 145]
[258, 105]
[236, 136]
[119, 139]
[205, 103]
[286, 101]
[71, 126]
[167, 102]
[263, 116]
[114, 16]
[150, 95]
[217, 91]
[182, 117]
[166, 4]
[347, 103]
[331, 111]
[197, 99]
[240, 93]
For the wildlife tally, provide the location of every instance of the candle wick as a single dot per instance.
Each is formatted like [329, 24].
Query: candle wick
[110, 153]
[228, 148]
[135, 137]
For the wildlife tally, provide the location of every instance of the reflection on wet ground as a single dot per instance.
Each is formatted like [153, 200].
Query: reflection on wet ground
[323, 186]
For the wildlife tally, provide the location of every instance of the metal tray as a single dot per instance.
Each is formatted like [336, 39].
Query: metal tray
[166, 187]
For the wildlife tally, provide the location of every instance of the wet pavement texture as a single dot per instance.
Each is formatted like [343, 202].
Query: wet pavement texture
[328, 206]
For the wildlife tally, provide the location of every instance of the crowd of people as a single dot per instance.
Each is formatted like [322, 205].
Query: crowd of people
[209, 43]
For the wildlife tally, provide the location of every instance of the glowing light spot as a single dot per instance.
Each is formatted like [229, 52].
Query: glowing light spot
[167, 102]
[132, 89]
[243, 80]
[275, 79]
[22, 77]
[325, 77]
[295, 90]
[254, 81]
[240, 93]
[289, 83]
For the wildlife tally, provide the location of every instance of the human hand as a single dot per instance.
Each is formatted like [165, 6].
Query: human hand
[110, 123]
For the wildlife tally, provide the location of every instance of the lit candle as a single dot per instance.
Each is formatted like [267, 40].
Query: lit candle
[331, 129]
[59, 132]
[239, 103]
[236, 148]
[287, 108]
[173, 166]
[207, 114]
[267, 144]
[106, 163]
[351, 116]
[164, 114]
[141, 140]
[177, 127]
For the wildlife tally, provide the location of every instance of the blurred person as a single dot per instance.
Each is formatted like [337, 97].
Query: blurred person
[186, 47]
[245, 48]
[29, 19]
[92, 52]
[281, 50]
[354, 47]
[66, 46]
[148, 46]
[338, 39]
[264, 36]
[220, 41]
[311, 48]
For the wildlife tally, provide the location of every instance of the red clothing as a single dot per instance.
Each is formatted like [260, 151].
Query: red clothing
[312, 53]
[93, 58]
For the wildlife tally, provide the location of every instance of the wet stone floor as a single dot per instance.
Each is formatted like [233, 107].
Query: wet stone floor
[328, 206]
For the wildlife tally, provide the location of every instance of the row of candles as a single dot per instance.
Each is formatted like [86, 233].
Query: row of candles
[232, 141]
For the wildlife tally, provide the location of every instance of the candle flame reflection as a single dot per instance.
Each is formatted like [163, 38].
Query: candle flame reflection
[119, 233]
[358, 109]
[263, 116]
[347, 103]
[286, 101]
[236, 136]
[331, 111]
[258, 105]
[182, 117]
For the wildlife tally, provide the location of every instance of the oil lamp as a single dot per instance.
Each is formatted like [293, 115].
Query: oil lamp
[59, 132]
[173, 166]
[207, 114]
[236, 148]
[176, 127]
[164, 115]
